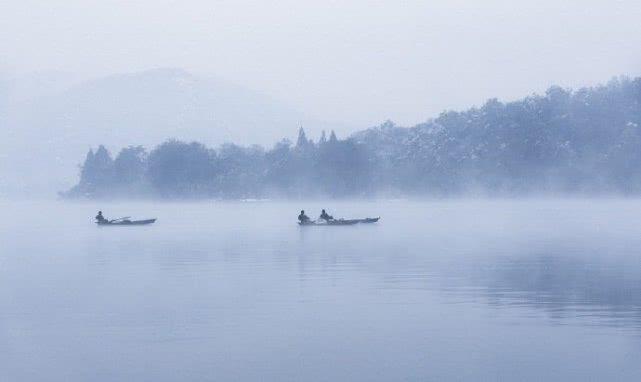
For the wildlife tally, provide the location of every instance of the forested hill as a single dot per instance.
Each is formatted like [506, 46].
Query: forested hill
[564, 142]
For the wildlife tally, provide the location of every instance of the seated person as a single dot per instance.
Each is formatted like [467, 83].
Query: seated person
[100, 218]
[302, 217]
[325, 216]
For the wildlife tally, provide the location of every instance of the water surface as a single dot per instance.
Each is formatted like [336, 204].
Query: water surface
[442, 290]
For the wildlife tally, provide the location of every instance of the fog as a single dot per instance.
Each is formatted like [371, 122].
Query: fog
[164, 165]
[357, 62]
[77, 74]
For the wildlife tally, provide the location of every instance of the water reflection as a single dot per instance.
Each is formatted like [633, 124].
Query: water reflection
[570, 284]
[589, 289]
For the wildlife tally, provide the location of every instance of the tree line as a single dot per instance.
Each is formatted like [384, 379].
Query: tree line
[177, 169]
[586, 141]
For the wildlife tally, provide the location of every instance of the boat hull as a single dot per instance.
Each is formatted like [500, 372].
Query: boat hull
[339, 222]
[127, 222]
[329, 223]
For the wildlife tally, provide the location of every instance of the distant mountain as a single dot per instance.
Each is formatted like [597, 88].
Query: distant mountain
[53, 128]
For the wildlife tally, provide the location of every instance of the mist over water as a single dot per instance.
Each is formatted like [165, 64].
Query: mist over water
[223, 119]
[459, 289]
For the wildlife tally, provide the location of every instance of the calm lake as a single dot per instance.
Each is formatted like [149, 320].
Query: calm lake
[237, 291]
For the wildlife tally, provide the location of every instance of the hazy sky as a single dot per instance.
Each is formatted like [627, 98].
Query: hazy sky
[356, 61]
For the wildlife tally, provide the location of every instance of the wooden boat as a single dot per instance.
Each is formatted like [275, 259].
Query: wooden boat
[126, 222]
[330, 222]
[321, 222]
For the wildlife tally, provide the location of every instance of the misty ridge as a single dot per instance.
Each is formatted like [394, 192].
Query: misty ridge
[564, 142]
[61, 116]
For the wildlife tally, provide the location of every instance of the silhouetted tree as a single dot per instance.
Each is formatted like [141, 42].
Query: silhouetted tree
[181, 169]
[130, 165]
[323, 139]
[332, 137]
[96, 174]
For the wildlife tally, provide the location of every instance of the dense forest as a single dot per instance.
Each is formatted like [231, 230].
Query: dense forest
[586, 141]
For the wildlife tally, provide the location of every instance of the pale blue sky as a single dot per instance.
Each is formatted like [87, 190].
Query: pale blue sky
[356, 61]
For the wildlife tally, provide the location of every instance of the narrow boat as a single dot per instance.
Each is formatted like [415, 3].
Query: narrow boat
[340, 221]
[331, 222]
[127, 222]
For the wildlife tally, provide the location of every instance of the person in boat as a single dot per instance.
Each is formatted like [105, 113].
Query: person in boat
[302, 217]
[100, 218]
[325, 216]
